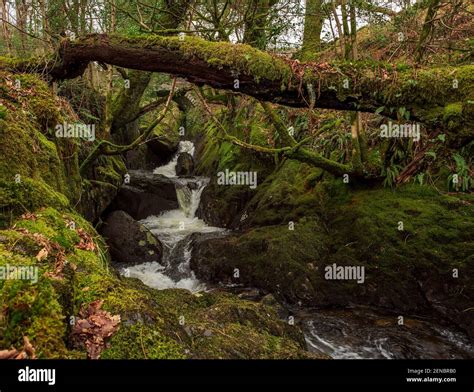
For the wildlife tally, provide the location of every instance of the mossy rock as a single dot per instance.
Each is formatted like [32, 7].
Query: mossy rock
[165, 137]
[33, 171]
[409, 270]
[285, 196]
[222, 205]
[26, 195]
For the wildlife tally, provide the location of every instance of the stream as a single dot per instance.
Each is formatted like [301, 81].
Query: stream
[174, 228]
[342, 334]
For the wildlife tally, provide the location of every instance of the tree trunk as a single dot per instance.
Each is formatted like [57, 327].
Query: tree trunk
[313, 24]
[428, 94]
[345, 27]
[21, 18]
[5, 29]
[124, 108]
[255, 25]
[427, 29]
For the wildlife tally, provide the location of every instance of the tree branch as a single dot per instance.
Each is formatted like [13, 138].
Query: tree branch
[295, 151]
[108, 148]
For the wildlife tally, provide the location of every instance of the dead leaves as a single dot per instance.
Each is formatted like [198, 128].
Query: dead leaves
[52, 249]
[29, 216]
[298, 68]
[94, 328]
[28, 351]
[59, 264]
[48, 248]
[86, 243]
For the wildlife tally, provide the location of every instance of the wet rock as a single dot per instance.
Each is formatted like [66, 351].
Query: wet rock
[410, 272]
[163, 147]
[269, 300]
[105, 180]
[222, 206]
[129, 241]
[185, 164]
[364, 332]
[144, 158]
[146, 194]
[250, 294]
[152, 183]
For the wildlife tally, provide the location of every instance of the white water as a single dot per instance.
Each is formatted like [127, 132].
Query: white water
[173, 228]
[356, 334]
[338, 349]
[169, 170]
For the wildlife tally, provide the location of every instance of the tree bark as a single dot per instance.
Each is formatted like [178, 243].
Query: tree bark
[427, 29]
[313, 24]
[5, 30]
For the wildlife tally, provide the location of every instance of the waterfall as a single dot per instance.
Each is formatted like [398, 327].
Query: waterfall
[169, 170]
[174, 228]
[188, 192]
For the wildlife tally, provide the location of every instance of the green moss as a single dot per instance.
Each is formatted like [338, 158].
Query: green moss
[258, 135]
[286, 195]
[240, 58]
[350, 227]
[151, 345]
[27, 195]
[452, 115]
[32, 171]
[60, 228]
[110, 170]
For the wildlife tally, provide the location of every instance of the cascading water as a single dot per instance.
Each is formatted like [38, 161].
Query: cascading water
[174, 228]
[169, 170]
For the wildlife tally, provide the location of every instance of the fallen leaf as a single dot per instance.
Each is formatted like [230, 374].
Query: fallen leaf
[86, 243]
[94, 328]
[28, 351]
[29, 216]
[42, 254]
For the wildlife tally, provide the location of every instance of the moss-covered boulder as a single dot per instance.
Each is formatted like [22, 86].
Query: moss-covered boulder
[129, 241]
[415, 245]
[145, 194]
[37, 168]
[221, 205]
[32, 170]
[166, 136]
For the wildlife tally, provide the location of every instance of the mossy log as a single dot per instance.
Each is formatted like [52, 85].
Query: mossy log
[366, 87]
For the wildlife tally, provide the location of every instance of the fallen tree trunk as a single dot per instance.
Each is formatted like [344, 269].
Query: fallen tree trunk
[438, 97]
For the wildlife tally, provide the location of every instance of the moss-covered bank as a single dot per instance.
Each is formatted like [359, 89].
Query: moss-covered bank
[415, 244]
[154, 324]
